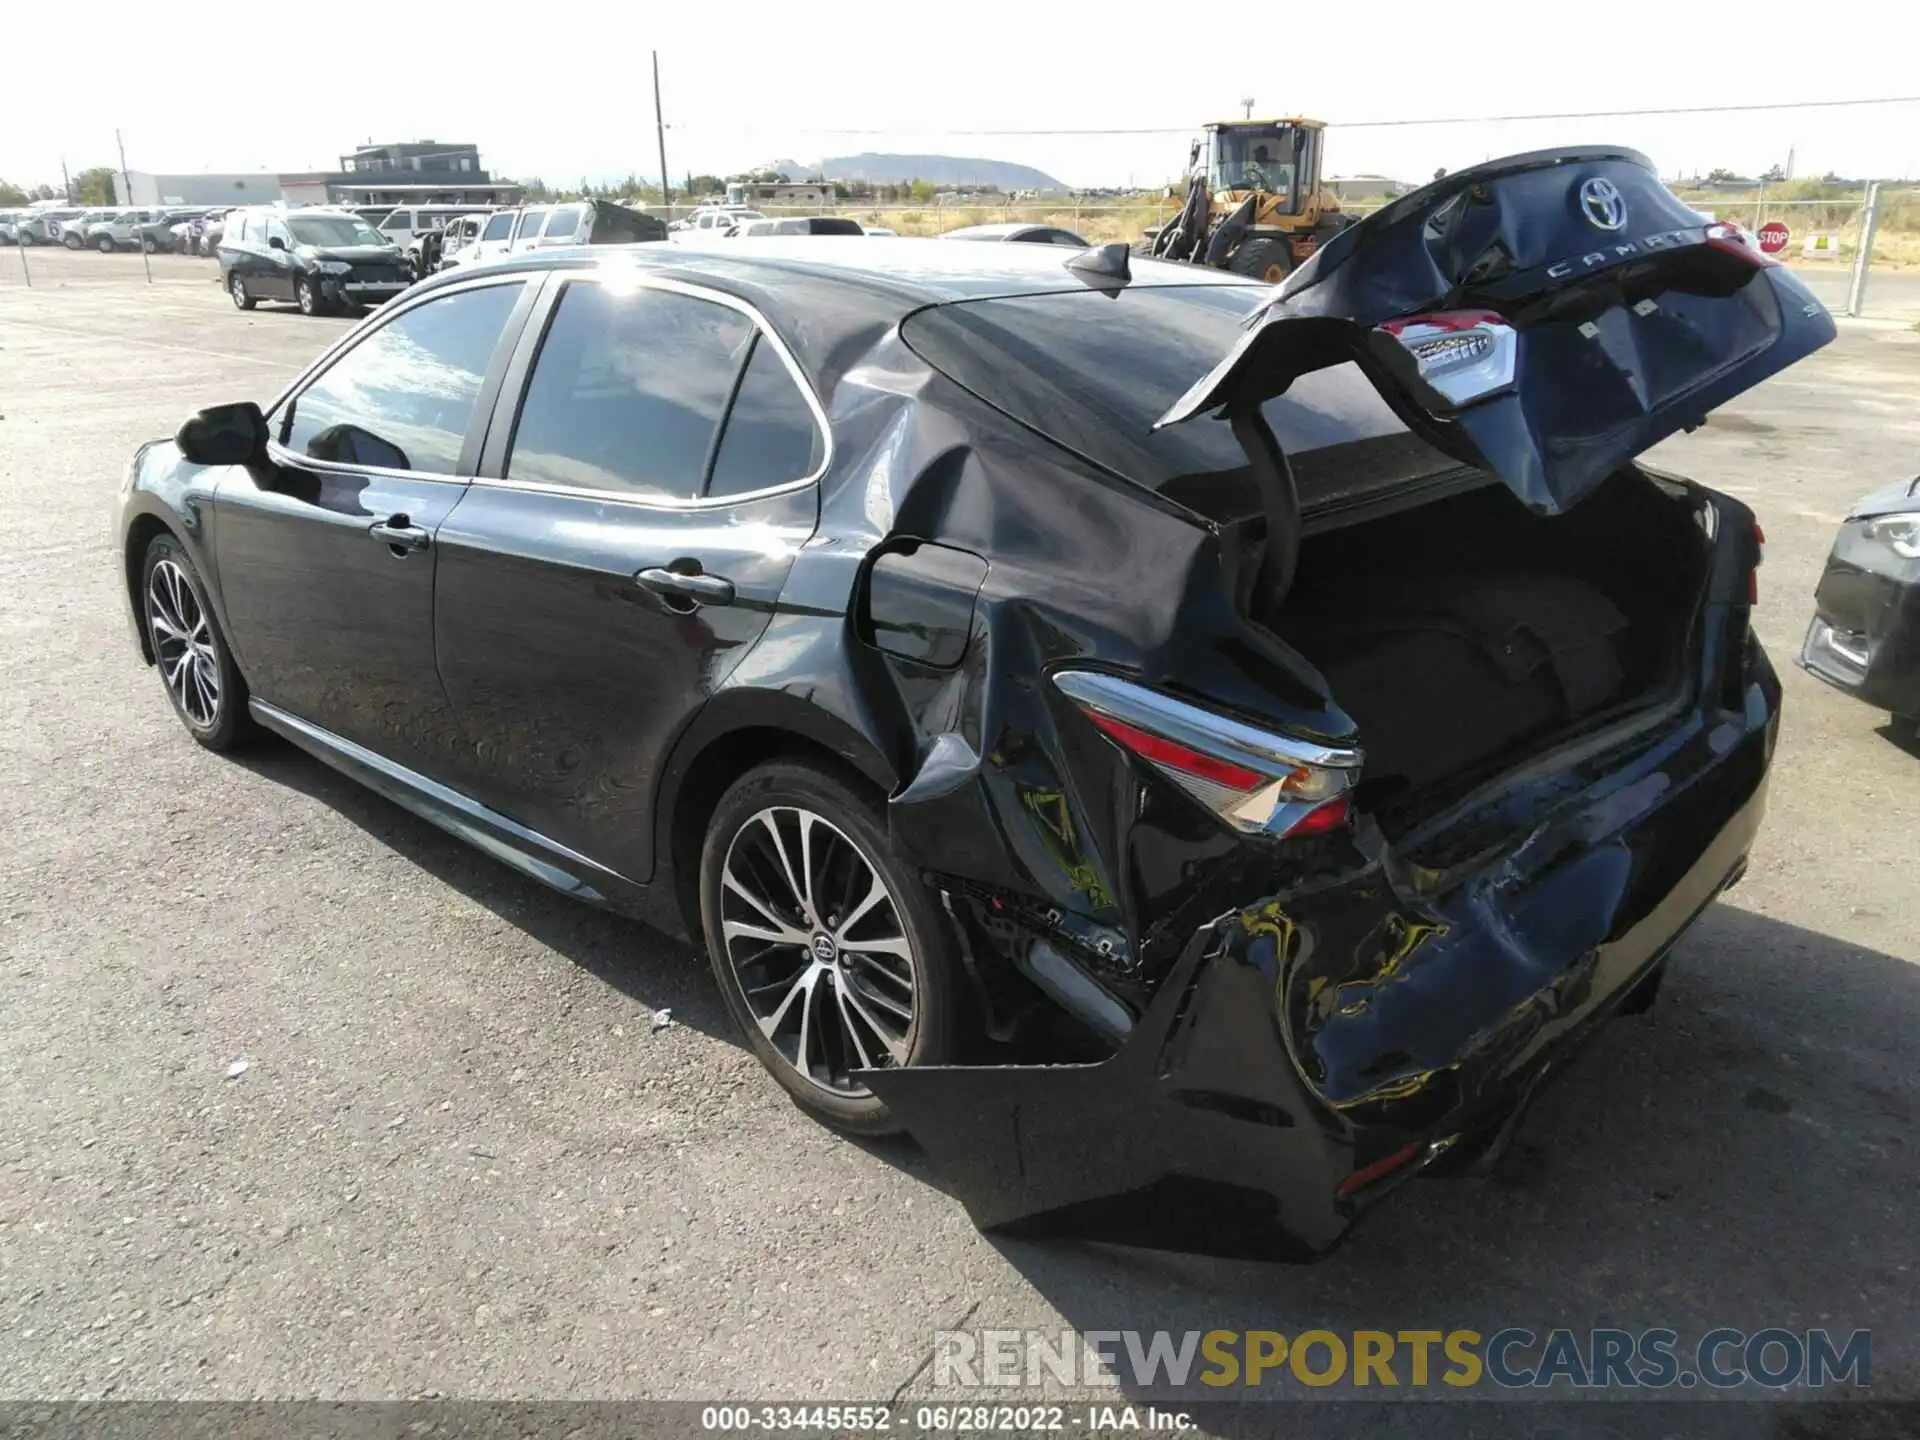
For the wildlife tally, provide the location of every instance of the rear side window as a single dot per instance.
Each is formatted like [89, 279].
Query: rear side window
[402, 399]
[771, 435]
[498, 227]
[564, 222]
[627, 392]
[530, 224]
[398, 220]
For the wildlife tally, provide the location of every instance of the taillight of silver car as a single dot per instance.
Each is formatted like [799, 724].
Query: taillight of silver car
[1253, 779]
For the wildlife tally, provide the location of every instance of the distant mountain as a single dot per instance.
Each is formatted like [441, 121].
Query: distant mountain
[936, 170]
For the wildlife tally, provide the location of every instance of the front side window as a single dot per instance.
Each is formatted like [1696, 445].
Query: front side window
[564, 222]
[403, 398]
[627, 392]
[530, 224]
[498, 227]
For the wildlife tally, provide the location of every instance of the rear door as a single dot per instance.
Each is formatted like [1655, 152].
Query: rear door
[647, 480]
[326, 552]
[1546, 317]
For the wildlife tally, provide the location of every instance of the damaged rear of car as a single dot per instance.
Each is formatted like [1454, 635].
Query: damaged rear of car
[1332, 720]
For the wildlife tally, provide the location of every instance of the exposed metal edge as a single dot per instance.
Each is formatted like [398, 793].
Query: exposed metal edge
[527, 851]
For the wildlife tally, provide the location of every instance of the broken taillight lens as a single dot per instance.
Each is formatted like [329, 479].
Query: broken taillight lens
[1462, 355]
[1255, 780]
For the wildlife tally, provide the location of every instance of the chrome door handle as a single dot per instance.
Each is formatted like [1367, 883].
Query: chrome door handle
[682, 585]
[399, 534]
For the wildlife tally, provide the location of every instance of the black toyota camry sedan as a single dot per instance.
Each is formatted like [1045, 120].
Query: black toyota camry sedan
[1865, 635]
[1193, 753]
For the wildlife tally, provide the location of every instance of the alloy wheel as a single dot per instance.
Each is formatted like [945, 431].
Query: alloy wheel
[818, 947]
[183, 644]
[239, 288]
[309, 302]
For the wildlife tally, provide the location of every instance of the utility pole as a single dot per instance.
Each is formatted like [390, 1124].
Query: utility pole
[660, 133]
[126, 182]
[1246, 107]
[66, 184]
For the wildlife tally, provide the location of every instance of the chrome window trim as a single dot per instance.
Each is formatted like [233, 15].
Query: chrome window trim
[1205, 730]
[392, 311]
[638, 280]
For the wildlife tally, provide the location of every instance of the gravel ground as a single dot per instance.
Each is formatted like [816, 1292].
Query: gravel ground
[462, 1158]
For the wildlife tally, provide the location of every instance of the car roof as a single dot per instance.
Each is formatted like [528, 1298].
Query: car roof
[832, 298]
[999, 230]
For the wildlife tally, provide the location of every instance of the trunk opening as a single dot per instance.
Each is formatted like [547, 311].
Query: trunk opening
[1470, 635]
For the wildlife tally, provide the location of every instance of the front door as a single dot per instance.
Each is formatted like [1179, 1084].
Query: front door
[627, 540]
[327, 551]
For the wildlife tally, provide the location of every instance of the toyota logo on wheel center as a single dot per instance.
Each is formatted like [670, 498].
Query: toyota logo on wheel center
[1604, 205]
[824, 949]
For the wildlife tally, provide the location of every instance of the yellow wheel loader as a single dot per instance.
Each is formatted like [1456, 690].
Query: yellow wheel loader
[1256, 206]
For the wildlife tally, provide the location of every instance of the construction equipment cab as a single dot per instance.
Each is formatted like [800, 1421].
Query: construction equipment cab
[1256, 207]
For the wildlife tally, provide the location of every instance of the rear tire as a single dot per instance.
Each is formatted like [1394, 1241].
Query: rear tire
[25, 241]
[196, 665]
[149, 245]
[1265, 259]
[71, 240]
[237, 288]
[831, 952]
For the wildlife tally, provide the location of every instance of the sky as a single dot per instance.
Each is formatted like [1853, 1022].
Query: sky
[750, 81]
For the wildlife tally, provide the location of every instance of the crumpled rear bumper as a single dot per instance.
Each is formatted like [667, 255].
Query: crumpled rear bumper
[1310, 1051]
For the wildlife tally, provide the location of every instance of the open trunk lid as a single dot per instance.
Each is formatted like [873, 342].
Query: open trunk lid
[1545, 317]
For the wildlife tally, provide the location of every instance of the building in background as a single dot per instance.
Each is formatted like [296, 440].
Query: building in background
[412, 172]
[780, 192]
[142, 187]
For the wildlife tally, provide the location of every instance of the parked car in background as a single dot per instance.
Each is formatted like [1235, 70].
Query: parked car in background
[186, 236]
[409, 222]
[156, 234]
[1019, 232]
[799, 225]
[583, 222]
[9, 226]
[69, 227]
[716, 220]
[1288, 793]
[1865, 635]
[120, 230]
[462, 233]
[319, 259]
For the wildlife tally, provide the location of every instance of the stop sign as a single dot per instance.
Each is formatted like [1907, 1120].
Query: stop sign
[1773, 236]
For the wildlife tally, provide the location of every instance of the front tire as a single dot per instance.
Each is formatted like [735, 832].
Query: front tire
[1264, 259]
[25, 240]
[237, 287]
[306, 296]
[105, 245]
[150, 245]
[71, 241]
[195, 663]
[831, 953]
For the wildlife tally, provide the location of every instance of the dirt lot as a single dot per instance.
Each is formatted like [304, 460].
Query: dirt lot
[462, 1160]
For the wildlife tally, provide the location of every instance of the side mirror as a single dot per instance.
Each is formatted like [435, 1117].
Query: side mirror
[274, 242]
[224, 435]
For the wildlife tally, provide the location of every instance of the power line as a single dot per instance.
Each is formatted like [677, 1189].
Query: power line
[1381, 124]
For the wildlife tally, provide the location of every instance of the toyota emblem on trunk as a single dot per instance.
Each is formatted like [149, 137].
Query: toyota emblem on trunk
[1605, 206]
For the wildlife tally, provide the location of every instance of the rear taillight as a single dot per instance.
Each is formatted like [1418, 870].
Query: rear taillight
[1463, 355]
[1732, 240]
[1255, 780]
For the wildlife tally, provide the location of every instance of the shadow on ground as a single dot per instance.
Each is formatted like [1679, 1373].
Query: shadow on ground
[1740, 1156]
